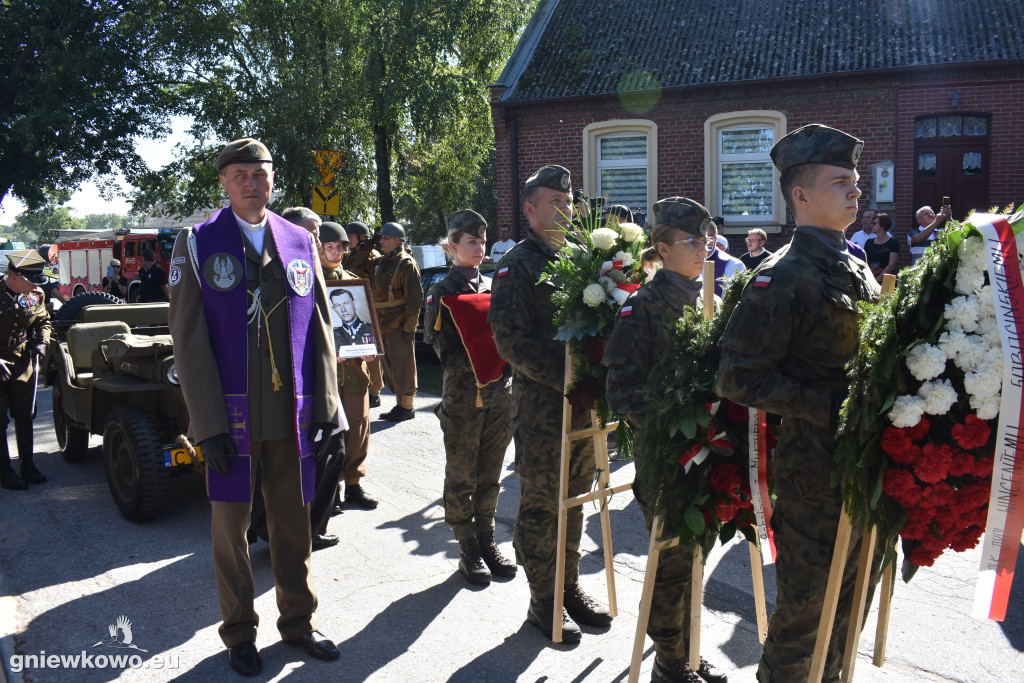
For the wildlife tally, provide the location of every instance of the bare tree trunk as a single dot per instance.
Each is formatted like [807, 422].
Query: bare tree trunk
[382, 146]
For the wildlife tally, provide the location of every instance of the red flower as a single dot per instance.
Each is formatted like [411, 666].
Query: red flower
[937, 496]
[933, 465]
[962, 464]
[901, 487]
[966, 539]
[923, 557]
[907, 457]
[895, 441]
[708, 517]
[983, 467]
[725, 478]
[726, 510]
[920, 430]
[584, 394]
[973, 496]
[593, 349]
[973, 433]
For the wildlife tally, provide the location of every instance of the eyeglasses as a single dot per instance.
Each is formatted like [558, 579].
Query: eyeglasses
[695, 243]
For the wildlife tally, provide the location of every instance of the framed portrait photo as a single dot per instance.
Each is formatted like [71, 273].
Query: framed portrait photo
[356, 332]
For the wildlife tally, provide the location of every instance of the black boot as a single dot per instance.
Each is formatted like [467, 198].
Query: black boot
[471, 565]
[584, 609]
[355, 495]
[496, 562]
[23, 435]
[8, 479]
[673, 671]
[541, 615]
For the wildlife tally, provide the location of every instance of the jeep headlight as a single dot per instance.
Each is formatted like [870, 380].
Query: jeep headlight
[172, 374]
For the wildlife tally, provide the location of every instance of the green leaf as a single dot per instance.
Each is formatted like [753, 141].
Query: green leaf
[689, 427]
[694, 520]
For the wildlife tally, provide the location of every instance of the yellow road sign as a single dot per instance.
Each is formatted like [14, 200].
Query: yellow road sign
[326, 200]
[328, 162]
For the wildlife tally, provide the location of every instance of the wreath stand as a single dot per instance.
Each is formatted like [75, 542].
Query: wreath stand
[602, 493]
[658, 544]
[860, 591]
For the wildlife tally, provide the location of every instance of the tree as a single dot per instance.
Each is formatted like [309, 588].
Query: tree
[100, 222]
[78, 80]
[40, 225]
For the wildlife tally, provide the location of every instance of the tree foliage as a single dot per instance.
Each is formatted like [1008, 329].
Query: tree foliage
[78, 80]
[40, 225]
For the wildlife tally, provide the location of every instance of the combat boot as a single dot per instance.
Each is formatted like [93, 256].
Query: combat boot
[471, 565]
[23, 435]
[355, 495]
[673, 671]
[496, 562]
[540, 615]
[8, 479]
[585, 609]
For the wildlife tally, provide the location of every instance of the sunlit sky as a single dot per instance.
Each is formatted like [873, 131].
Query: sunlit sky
[87, 199]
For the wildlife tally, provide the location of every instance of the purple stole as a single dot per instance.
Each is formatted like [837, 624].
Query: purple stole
[226, 319]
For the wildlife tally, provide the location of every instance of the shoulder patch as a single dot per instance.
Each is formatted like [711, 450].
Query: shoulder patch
[502, 272]
[762, 280]
[430, 298]
[625, 311]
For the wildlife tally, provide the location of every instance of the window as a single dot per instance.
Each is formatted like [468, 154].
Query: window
[620, 163]
[739, 178]
[951, 126]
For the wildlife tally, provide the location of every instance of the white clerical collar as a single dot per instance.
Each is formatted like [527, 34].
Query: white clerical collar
[247, 226]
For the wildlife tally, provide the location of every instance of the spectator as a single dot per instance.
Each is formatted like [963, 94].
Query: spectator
[865, 232]
[756, 253]
[501, 247]
[882, 250]
[580, 204]
[927, 231]
[725, 266]
[616, 214]
[153, 279]
[722, 243]
[305, 218]
[650, 261]
[115, 283]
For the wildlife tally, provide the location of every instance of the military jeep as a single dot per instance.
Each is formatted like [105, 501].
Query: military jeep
[111, 369]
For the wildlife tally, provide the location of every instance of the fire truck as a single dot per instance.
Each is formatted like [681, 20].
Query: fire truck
[84, 260]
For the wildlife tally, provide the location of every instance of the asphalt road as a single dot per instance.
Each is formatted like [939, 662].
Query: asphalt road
[70, 565]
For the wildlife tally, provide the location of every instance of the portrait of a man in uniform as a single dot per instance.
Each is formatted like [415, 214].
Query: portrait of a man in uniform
[353, 319]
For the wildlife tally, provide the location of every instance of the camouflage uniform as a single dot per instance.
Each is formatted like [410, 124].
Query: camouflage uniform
[397, 296]
[632, 351]
[522, 317]
[475, 439]
[784, 351]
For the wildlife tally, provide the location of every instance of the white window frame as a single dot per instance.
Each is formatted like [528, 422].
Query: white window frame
[592, 165]
[738, 120]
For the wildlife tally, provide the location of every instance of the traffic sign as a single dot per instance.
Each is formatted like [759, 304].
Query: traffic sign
[326, 200]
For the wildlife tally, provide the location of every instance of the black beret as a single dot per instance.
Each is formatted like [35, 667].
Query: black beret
[467, 221]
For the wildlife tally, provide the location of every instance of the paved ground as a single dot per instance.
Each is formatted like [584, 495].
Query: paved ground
[389, 594]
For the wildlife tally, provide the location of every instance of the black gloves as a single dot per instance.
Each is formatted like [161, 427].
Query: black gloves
[216, 451]
[38, 349]
[321, 447]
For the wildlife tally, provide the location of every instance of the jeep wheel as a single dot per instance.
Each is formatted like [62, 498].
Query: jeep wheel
[72, 440]
[72, 308]
[134, 463]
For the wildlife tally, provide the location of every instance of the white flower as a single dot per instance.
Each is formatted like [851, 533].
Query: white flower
[969, 280]
[972, 254]
[986, 408]
[953, 342]
[906, 411]
[984, 383]
[625, 257]
[630, 232]
[938, 396]
[604, 238]
[926, 362]
[606, 282]
[993, 339]
[961, 315]
[593, 295]
[975, 354]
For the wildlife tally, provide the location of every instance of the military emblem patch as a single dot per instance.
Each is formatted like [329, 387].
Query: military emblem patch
[300, 276]
[221, 271]
[564, 182]
[175, 276]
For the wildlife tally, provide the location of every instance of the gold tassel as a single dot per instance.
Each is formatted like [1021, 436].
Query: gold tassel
[479, 399]
[437, 323]
[275, 377]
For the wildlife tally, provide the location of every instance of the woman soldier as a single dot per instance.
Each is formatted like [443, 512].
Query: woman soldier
[640, 335]
[476, 421]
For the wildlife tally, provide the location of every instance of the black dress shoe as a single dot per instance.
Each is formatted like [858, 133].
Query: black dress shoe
[399, 414]
[31, 473]
[321, 541]
[316, 645]
[355, 495]
[375, 400]
[245, 659]
[584, 609]
[10, 480]
[337, 511]
[540, 615]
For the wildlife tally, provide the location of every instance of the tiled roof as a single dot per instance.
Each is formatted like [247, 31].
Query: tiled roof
[591, 48]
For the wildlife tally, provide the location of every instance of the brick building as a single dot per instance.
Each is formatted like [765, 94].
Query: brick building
[643, 99]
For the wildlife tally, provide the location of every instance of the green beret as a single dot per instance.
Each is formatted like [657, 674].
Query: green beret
[683, 214]
[28, 264]
[816, 144]
[358, 229]
[552, 177]
[244, 151]
[467, 221]
[332, 232]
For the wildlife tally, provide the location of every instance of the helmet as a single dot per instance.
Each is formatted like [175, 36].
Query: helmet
[393, 230]
[358, 229]
[332, 232]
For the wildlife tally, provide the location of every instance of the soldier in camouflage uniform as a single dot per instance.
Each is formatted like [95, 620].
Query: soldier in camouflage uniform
[24, 334]
[475, 435]
[522, 318]
[361, 260]
[784, 351]
[640, 335]
[397, 296]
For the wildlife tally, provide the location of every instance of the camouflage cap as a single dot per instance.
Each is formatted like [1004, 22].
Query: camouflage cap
[358, 229]
[28, 264]
[552, 177]
[683, 214]
[332, 232]
[244, 151]
[816, 144]
[466, 221]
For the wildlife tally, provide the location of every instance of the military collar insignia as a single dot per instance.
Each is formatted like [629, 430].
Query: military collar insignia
[222, 271]
[300, 276]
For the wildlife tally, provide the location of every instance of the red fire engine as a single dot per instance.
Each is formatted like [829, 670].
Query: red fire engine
[84, 261]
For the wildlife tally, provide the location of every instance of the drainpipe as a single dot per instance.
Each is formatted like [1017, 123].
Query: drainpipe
[513, 133]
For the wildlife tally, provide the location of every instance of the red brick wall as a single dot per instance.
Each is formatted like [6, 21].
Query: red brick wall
[879, 110]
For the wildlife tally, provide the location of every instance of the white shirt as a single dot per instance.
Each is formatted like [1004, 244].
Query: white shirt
[499, 249]
[254, 231]
[861, 237]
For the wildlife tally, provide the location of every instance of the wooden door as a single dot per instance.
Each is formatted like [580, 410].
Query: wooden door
[952, 158]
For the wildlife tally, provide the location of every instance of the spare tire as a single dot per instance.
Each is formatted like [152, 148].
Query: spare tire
[71, 310]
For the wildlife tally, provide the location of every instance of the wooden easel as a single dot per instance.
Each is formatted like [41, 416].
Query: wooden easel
[860, 590]
[658, 544]
[602, 493]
